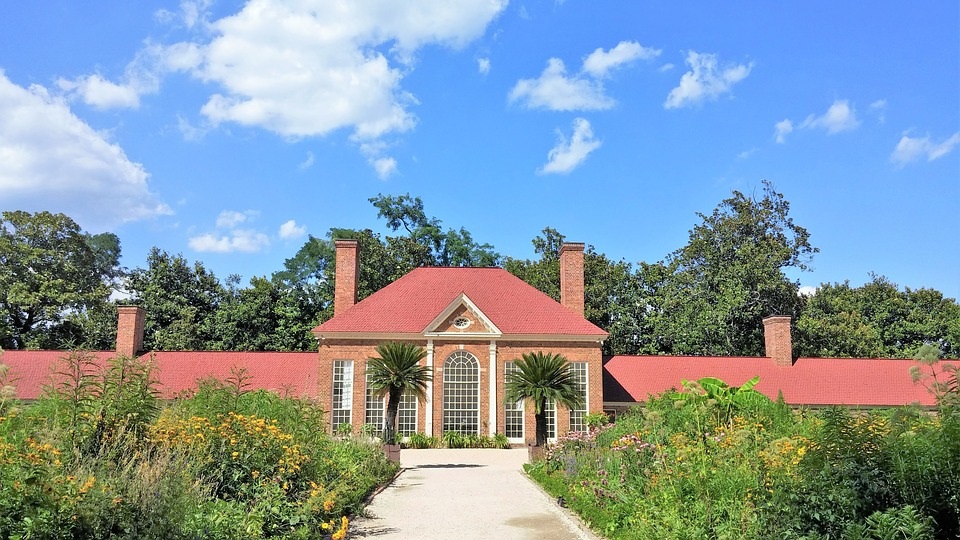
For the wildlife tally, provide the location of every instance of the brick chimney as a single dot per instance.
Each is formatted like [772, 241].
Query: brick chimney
[347, 271]
[776, 337]
[130, 321]
[571, 277]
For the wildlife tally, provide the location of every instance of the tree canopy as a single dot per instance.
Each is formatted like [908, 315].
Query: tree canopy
[707, 297]
[49, 269]
[710, 296]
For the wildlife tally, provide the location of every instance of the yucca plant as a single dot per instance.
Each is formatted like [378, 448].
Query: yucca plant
[540, 377]
[396, 371]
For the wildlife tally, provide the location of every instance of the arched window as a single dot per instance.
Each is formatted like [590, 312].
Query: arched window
[461, 393]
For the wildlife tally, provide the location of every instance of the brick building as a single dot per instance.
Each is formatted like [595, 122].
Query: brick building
[473, 323]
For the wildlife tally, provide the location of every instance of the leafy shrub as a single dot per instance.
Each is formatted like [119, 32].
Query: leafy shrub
[222, 462]
[696, 467]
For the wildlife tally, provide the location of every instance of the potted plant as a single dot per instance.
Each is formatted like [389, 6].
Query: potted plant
[396, 371]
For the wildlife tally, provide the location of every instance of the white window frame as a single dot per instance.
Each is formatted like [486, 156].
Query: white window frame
[459, 387]
[508, 408]
[581, 372]
[341, 410]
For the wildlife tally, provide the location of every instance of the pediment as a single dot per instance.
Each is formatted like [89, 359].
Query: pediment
[462, 318]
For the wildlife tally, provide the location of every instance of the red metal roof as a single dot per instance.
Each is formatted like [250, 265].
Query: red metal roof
[285, 373]
[410, 303]
[810, 381]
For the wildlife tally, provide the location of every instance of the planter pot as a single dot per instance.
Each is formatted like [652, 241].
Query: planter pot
[392, 452]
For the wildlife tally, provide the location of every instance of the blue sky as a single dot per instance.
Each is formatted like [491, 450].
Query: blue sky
[228, 131]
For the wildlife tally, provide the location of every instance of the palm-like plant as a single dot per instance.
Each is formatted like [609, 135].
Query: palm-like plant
[540, 377]
[395, 371]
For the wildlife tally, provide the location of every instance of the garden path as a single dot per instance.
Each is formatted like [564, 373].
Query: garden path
[465, 495]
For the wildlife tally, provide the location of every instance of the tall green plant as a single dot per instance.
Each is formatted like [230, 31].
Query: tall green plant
[396, 371]
[540, 377]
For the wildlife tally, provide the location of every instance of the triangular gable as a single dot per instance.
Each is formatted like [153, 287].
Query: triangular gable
[462, 308]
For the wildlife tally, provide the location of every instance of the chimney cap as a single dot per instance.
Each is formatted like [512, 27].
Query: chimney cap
[572, 246]
[346, 242]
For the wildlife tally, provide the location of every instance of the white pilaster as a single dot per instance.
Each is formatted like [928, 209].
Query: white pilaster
[428, 420]
[492, 421]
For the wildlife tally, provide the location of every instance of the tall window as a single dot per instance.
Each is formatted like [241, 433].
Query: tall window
[374, 408]
[342, 392]
[407, 415]
[550, 408]
[513, 412]
[577, 416]
[461, 393]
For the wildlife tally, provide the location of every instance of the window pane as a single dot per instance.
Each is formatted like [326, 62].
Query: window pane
[461, 393]
[342, 392]
[577, 416]
[513, 412]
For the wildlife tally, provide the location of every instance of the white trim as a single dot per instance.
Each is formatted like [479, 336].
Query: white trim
[428, 414]
[466, 336]
[492, 415]
[461, 300]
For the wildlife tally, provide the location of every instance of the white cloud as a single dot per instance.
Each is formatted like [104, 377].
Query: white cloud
[307, 163]
[309, 68]
[98, 92]
[141, 77]
[841, 116]
[189, 131]
[880, 108]
[290, 230]
[568, 155]
[705, 80]
[600, 62]
[483, 65]
[233, 239]
[782, 129]
[385, 166]
[666, 67]
[913, 148]
[229, 219]
[554, 91]
[746, 154]
[242, 240]
[52, 160]
[807, 290]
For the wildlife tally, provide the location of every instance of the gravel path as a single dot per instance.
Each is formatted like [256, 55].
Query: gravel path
[465, 495]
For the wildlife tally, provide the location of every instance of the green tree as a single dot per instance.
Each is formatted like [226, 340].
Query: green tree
[444, 248]
[394, 372]
[542, 377]
[715, 291]
[611, 292]
[877, 320]
[383, 260]
[47, 270]
[180, 299]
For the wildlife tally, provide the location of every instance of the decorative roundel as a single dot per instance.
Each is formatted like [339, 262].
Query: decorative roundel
[461, 322]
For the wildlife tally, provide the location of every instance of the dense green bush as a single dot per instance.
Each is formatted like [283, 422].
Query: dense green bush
[712, 465]
[98, 457]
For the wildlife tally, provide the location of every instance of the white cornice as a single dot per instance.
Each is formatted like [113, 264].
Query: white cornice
[464, 336]
[461, 300]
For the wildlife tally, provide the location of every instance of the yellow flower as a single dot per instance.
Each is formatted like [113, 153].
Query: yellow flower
[255, 474]
[328, 505]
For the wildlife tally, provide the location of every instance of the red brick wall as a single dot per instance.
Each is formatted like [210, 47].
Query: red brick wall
[571, 277]
[776, 337]
[360, 350]
[347, 269]
[130, 321]
[574, 352]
